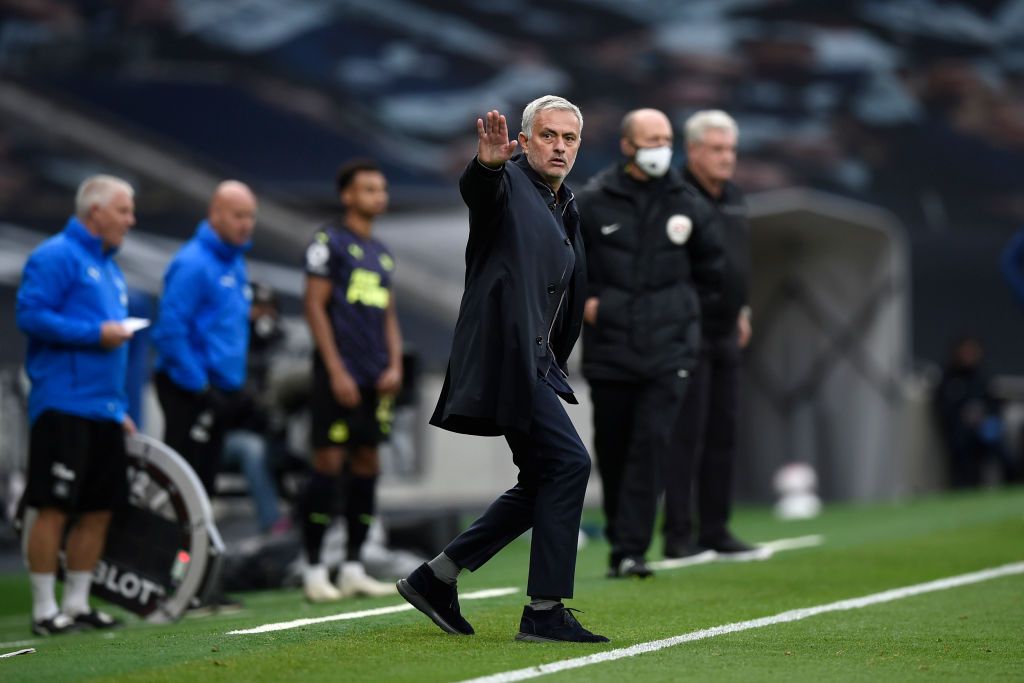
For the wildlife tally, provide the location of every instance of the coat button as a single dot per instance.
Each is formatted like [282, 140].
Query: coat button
[567, 241]
[551, 288]
[540, 341]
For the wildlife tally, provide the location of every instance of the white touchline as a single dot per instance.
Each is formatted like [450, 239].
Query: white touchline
[763, 552]
[17, 643]
[793, 543]
[782, 618]
[296, 623]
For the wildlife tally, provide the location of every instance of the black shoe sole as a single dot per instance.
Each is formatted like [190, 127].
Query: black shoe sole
[534, 638]
[531, 638]
[413, 597]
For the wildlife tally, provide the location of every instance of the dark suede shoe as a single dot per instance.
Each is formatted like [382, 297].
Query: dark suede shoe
[436, 599]
[555, 625]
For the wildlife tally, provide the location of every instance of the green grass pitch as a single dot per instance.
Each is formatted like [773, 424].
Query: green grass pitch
[973, 632]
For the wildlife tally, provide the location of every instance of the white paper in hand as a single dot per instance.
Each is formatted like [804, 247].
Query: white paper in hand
[133, 325]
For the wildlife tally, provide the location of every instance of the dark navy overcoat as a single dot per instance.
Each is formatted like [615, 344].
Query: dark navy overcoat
[524, 262]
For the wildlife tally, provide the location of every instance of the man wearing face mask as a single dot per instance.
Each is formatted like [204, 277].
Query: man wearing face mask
[653, 260]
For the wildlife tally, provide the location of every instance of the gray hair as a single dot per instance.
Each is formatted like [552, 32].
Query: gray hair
[708, 119]
[544, 103]
[98, 190]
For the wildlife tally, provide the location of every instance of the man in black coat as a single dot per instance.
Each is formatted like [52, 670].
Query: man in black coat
[520, 315]
[654, 259]
[700, 477]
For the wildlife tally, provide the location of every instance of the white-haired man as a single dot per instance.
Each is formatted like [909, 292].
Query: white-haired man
[71, 304]
[701, 479]
[520, 316]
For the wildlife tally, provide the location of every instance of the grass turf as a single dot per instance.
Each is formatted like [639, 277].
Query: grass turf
[969, 633]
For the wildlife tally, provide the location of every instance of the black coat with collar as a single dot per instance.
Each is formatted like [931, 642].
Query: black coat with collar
[516, 281]
[654, 258]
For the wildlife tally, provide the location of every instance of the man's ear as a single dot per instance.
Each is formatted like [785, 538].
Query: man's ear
[626, 147]
[523, 142]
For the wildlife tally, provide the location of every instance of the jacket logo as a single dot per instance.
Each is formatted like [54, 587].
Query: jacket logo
[60, 471]
[228, 280]
[93, 272]
[609, 229]
[679, 228]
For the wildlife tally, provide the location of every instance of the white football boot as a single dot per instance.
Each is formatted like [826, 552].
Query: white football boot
[317, 586]
[353, 580]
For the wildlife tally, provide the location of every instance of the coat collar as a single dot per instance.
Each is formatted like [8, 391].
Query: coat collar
[76, 231]
[565, 194]
[221, 249]
[728, 189]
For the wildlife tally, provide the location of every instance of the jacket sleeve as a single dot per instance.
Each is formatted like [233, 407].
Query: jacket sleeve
[707, 256]
[184, 288]
[1012, 264]
[45, 283]
[484, 190]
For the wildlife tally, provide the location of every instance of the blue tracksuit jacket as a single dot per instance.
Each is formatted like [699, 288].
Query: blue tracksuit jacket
[69, 287]
[202, 334]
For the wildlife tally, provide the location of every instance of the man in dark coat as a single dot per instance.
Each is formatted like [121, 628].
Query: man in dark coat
[654, 260]
[520, 315]
[700, 477]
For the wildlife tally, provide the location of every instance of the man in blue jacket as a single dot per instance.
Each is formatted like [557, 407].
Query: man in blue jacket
[202, 334]
[71, 304]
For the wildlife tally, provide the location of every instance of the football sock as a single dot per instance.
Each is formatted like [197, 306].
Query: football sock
[76, 593]
[44, 600]
[445, 569]
[359, 513]
[316, 508]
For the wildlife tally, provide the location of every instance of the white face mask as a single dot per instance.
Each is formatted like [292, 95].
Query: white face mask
[653, 161]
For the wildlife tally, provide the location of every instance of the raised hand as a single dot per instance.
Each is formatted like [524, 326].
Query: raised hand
[494, 148]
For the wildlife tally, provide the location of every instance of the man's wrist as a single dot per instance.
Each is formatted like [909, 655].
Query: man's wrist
[489, 168]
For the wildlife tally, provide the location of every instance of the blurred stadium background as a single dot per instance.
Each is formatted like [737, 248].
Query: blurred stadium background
[882, 147]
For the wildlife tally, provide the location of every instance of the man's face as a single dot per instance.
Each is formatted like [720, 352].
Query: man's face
[649, 129]
[233, 216]
[367, 194]
[553, 144]
[112, 221]
[714, 157]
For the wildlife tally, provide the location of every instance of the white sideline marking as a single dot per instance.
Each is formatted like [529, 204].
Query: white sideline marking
[762, 552]
[781, 618]
[18, 643]
[343, 616]
[793, 543]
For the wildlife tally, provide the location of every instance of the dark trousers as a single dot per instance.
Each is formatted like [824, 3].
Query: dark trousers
[554, 468]
[191, 429]
[700, 473]
[632, 426]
